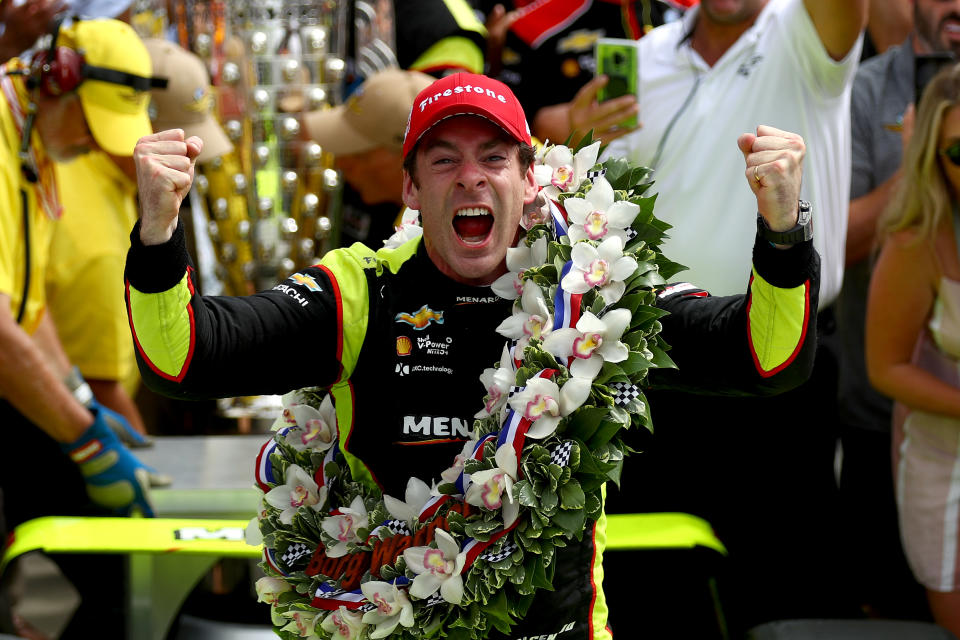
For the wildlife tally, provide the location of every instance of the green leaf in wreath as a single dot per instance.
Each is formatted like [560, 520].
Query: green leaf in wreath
[525, 494]
[571, 496]
[549, 502]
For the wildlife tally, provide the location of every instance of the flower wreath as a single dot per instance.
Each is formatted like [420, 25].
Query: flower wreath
[462, 558]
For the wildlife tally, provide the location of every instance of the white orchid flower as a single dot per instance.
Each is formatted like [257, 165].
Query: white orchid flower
[562, 171]
[603, 267]
[532, 320]
[451, 474]
[343, 624]
[269, 589]
[497, 382]
[408, 230]
[393, 608]
[298, 490]
[544, 403]
[303, 623]
[409, 508]
[343, 528]
[286, 419]
[509, 286]
[593, 342]
[316, 429]
[597, 216]
[490, 486]
[437, 568]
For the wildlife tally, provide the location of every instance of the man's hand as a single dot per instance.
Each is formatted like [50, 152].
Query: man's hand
[603, 118]
[25, 23]
[774, 170]
[165, 164]
[114, 477]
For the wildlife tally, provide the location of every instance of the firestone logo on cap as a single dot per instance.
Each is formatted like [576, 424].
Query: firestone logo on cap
[465, 94]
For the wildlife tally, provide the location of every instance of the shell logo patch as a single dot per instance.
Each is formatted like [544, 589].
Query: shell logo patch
[422, 318]
[404, 346]
[306, 281]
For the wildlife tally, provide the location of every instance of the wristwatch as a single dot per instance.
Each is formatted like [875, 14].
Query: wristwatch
[800, 232]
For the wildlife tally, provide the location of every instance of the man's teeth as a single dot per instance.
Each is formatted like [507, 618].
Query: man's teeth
[473, 211]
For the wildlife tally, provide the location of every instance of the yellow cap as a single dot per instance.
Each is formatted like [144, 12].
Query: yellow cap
[116, 113]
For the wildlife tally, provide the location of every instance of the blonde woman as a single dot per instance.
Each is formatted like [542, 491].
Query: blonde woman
[913, 344]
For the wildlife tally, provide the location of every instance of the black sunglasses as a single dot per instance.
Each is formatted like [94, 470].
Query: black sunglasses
[952, 153]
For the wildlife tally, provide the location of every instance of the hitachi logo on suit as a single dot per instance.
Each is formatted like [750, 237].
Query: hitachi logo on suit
[434, 426]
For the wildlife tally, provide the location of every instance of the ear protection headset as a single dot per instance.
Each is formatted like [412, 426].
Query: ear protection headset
[60, 70]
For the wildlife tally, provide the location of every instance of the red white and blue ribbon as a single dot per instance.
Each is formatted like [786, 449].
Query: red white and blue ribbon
[320, 475]
[566, 305]
[473, 548]
[264, 467]
[463, 483]
[432, 506]
[515, 427]
[330, 598]
[559, 215]
[270, 557]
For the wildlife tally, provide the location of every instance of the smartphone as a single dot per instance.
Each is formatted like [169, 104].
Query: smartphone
[927, 65]
[618, 59]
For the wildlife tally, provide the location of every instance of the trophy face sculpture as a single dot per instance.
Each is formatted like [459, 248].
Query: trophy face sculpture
[273, 204]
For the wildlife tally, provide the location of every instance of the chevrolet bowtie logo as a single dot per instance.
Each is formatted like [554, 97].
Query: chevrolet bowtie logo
[422, 318]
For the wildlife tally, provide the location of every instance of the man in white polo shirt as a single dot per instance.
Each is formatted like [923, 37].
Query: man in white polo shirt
[767, 488]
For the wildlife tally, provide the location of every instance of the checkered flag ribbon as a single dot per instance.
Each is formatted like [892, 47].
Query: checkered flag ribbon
[631, 233]
[399, 527]
[434, 600]
[596, 174]
[624, 393]
[295, 552]
[505, 552]
[514, 389]
[561, 454]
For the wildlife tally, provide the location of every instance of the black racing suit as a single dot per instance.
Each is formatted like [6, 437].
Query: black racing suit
[402, 348]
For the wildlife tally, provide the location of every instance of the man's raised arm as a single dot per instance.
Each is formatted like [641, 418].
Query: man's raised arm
[165, 164]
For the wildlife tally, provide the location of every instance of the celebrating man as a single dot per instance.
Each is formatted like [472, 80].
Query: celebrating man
[468, 169]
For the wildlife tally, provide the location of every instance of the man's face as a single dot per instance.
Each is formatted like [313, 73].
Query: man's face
[731, 12]
[470, 192]
[63, 128]
[376, 174]
[937, 23]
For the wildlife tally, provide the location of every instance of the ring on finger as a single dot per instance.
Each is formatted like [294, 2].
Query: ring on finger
[756, 173]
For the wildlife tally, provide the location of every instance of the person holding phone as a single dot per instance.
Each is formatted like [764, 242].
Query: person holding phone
[882, 117]
[913, 342]
[549, 61]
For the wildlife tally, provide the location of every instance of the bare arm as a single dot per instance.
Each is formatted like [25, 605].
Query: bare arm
[889, 22]
[583, 113]
[838, 23]
[863, 216]
[901, 296]
[31, 384]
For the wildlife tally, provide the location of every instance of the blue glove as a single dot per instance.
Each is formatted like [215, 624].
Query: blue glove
[121, 426]
[114, 477]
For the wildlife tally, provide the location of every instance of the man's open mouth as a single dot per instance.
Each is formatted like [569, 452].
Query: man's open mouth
[473, 224]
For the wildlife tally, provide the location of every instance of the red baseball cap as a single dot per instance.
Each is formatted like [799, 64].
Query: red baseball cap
[466, 94]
